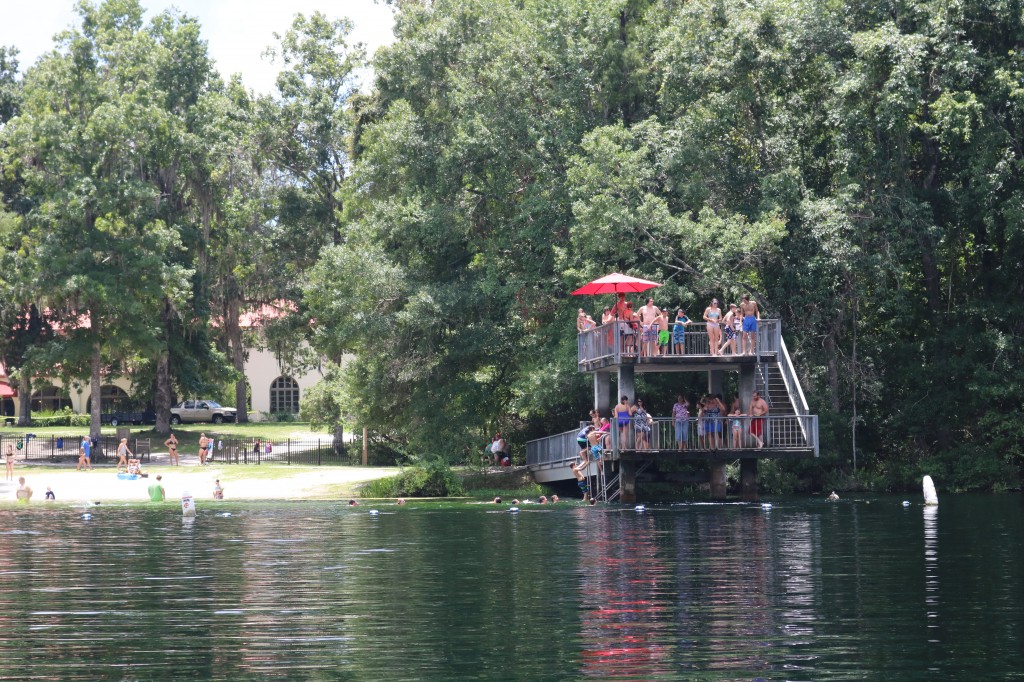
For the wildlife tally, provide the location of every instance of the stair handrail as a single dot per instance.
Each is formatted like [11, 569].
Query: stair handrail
[796, 393]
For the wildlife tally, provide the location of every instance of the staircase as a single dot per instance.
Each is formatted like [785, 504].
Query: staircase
[777, 383]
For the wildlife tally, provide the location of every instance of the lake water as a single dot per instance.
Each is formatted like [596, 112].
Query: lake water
[859, 589]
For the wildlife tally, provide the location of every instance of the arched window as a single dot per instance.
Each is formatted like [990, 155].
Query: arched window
[50, 399]
[112, 399]
[284, 396]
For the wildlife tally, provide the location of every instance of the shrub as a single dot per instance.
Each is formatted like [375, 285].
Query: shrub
[434, 479]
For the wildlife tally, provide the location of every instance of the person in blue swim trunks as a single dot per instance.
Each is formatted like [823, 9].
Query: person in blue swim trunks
[751, 316]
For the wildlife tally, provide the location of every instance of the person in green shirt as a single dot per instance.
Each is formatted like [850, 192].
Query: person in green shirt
[156, 491]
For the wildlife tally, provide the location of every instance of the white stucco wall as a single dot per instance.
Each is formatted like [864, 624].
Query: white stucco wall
[261, 369]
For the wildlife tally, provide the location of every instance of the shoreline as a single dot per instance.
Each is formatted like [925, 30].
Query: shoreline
[241, 482]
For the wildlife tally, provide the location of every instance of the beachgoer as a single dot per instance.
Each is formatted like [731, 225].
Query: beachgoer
[172, 449]
[759, 410]
[85, 453]
[736, 424]
[156, 491]
[751, 316]
[581, 440]
[496, 500]
[9, 461]
[649, 315]
[584, 322]
[218, 490]
[641, 426]
[681, 419]
[729, 329]
[24, 492]
[622, 416]
[497, 448]
[123, 453]
[204, 448]
[664, 336]
[554, 499]
[713, 426]
[400, 501]
[619, 309]
[702, 426]
[542, 499]
[49, 494]
[833, 497]
[628, 326]
[713, 317]
[679, 332]
[353, 503]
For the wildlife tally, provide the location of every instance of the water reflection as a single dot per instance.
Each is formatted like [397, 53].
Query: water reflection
[311, 591]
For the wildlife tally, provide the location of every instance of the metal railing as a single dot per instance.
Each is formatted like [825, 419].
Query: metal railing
[617, 340]
[779, 432]
[55, 448]
[796, 393]
[782, 432]
[314, 451]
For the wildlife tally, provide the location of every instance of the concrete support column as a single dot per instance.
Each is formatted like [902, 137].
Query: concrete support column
[627, 385]
[746, 388]
[627, 481]
[748, 479]
[717, 470]
[716, 381]
[603, 393]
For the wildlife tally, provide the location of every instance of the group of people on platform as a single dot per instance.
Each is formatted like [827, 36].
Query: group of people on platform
[713, 426]
[649, 331]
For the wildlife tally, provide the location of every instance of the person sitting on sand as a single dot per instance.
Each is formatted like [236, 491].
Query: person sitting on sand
[218, 491]
[50, 495]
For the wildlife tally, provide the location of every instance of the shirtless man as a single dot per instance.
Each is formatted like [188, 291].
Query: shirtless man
[758, 410]
[664, 335]
[751, 316]
[649, 315]
[204, 448]
[172, 449]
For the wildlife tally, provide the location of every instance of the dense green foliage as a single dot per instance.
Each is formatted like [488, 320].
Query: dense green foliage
[855, 167]
[434, 479]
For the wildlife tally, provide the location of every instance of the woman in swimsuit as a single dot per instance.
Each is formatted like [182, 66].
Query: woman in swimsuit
[172, 450]
[622, 415]
[122, 454]
[712, 315]
[9, 457]
[642, 426]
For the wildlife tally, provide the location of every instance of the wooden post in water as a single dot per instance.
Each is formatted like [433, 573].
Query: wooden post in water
[627, 481]
[718, 487]
[748, 479]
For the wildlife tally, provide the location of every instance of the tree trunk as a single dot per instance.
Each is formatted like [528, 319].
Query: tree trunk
[95, 391]
[24, 399]
[234, 332]
[163, 396]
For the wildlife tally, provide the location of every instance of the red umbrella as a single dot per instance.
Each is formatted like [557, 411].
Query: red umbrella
[614, 283]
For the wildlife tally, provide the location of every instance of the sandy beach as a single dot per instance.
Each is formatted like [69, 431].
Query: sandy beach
[240, 482]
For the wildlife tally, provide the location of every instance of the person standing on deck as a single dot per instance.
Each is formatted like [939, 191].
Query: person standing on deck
[622, 417]
[172, 449]
[649, 315]
[759, 410]
[681, 418]
[679, 332]
[751, 316]
[664, 336]
[713, 317]
[729, 330]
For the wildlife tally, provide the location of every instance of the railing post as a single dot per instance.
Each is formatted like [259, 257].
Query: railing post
[289, 459]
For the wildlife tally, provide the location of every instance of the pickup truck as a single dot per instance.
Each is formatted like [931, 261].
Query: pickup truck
[201, 411]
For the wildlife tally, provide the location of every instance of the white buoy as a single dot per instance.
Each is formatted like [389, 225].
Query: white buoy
[188, 505]
[906, 503]
[766, 506]
[374, 512]
[514, 510]
[931, 497]
[639, 508]
[86, 517]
